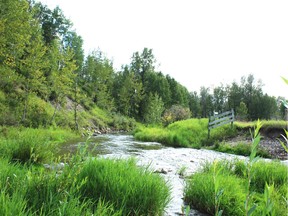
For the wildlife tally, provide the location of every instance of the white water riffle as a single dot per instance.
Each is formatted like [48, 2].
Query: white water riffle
[167, 161]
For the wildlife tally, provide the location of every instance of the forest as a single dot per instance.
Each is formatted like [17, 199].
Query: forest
[46, 80]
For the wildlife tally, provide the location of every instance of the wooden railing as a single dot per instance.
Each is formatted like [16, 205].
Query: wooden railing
[220, 119]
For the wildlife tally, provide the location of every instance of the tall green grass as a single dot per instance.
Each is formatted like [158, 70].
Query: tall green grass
[29, 145]
[97, 187]
[199, 193]
[266, 124]
[186, 133]
[30, 190]
[240, 148]
[92, 187]
[135, 190]
[199, 189]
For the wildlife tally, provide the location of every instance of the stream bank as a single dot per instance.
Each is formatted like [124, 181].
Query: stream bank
[171, 163]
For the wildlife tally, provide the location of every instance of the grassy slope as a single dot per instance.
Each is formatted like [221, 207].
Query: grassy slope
[41, 113]
[194, 133]
[187, 133]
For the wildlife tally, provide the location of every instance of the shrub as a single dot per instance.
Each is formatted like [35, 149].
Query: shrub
[175, 113]
[121, 122]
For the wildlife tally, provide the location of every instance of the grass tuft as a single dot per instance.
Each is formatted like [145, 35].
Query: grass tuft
[135, 190]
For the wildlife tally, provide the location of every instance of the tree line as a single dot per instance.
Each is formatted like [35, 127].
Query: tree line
[42, 61]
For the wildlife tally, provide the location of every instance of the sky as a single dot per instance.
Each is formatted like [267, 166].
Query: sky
[197, 42]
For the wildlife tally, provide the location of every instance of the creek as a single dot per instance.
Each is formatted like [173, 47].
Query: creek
[171, 163]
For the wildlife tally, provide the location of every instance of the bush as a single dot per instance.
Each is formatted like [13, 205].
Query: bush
[175, 113]
[121, 122]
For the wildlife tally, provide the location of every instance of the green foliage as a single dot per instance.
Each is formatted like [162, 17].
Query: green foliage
[248, 92]
[278, 124]
[14, 31]
[38, 113]
[136, 190]
[27, 145]
[41, 56]
[218, 190]
[117, 187]
[268, 187]
[186, 133]
[121, 122]
[194, 105]
[153, 109]
[175, 113]
[53, 22]
[240, 148]
[200, 193]
[12, 204]
[242, 111]
[127, 92]
[179, 94]
[266, 173]
[11, 189]
[97, 76]
[206, 103]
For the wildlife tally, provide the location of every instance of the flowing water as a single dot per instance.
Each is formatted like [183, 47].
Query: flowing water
[170, 162]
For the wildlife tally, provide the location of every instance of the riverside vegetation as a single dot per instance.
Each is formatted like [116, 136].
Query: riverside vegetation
[88, 185]
[255, 187]
[193, 133]
[250, 187]
[83, 186]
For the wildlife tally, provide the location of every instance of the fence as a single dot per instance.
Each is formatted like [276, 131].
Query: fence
[220, 119]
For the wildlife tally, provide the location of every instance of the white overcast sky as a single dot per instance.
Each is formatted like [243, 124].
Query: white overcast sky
[197, 42]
